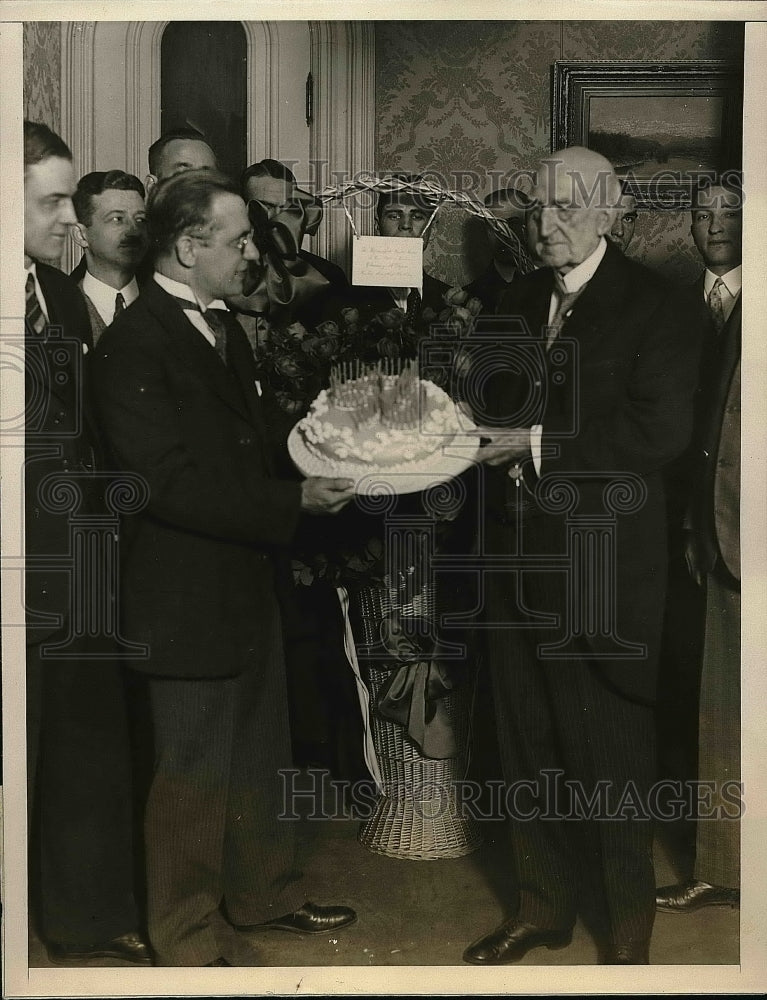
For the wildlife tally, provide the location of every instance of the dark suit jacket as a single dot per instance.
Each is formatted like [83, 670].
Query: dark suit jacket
[714, 509]
[372, 299]
[489, 287]
[198, 560]
[61, 430]
[624, 408]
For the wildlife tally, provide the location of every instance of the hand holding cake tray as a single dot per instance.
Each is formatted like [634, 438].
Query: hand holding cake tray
[384, 427]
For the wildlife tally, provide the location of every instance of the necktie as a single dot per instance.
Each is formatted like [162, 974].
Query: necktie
[716, 306]
[413, 306]
[34, 314]
[216, 320]
[565, 302]
[119, 305]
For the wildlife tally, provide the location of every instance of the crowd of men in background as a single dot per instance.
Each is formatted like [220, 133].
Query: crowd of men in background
[171, 395]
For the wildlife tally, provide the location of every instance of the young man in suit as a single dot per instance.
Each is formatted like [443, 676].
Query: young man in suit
[712, 530]
[176, 150]
[178, 395]
[573, 653]
[111, 230]
[76, 714]
[403, 215]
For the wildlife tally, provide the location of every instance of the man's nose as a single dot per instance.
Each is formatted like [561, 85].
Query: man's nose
[617, 229]
[546, 222]
[67, 212]
[251, 251]
[715, 225]
[405, 223]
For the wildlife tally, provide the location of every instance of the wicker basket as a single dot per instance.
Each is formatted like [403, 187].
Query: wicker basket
[418, 815]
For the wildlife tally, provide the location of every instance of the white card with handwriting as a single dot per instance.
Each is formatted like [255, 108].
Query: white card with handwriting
[390, 261]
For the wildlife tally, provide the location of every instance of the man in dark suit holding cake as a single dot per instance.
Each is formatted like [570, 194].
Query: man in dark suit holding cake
[178, 396]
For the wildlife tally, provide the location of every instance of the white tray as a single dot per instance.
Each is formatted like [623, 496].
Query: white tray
[449, 461]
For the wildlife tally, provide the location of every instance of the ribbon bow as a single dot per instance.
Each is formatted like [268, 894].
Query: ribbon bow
[414, 694]
[283, 281]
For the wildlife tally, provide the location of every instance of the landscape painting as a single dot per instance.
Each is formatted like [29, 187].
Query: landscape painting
[662, 126]
[649, 133]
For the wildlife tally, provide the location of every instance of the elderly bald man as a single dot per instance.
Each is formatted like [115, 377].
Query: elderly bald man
[573, 456]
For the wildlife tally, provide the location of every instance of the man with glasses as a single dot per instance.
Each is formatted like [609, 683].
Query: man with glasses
[179, 401]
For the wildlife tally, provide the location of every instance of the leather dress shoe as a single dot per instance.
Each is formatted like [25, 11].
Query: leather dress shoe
[308, 919]
[218, 963]
[629, 953]
[130, 947]
[692, 895]
[512, 941]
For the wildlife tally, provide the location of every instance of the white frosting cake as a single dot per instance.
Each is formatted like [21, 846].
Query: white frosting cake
[377, 420]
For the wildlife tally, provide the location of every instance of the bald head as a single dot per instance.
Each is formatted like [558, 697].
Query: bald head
[576, 197]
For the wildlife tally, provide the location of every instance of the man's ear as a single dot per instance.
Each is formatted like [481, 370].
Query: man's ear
[607, 220]
[186, 251]
[79, 236]
[150, 182]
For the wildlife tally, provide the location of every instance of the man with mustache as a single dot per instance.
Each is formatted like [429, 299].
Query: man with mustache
[111, 230]
[176, 384]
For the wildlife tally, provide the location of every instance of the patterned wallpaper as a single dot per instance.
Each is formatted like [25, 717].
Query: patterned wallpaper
[42, 72]
[475, 96]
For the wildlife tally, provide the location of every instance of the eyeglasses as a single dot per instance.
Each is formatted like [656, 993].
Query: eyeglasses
[242, 242]
[238, 244]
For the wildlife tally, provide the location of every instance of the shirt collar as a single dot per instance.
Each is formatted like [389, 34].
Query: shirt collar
[583, 272]
[183, 291]
[103, 295]
[732, 281]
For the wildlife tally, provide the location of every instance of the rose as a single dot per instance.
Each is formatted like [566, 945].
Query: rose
[392, 319]
[350, 315]
[327, 329]
[459, 312]
[296, 331]
[288, 366]
[317, 347]
[474, 306]
[455, 296]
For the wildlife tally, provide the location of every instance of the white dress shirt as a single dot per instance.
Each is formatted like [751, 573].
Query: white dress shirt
[195, 312]
[573, 280]
[732, 282]
[103, 296]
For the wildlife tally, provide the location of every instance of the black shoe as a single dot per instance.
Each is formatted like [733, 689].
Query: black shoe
[308, 919]
[512, 941]
[692, 895]
[218, 963]
[629, 953]
[130, 947]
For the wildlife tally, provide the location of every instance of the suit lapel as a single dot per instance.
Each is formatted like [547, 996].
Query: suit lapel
[191, 348]
[58, 317]
[594, 312]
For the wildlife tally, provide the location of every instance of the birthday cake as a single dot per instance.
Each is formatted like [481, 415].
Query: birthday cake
[382, 417]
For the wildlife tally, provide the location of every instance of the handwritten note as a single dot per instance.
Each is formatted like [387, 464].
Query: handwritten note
[390, 261]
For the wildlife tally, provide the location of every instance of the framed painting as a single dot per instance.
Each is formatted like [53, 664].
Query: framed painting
[661, 125]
